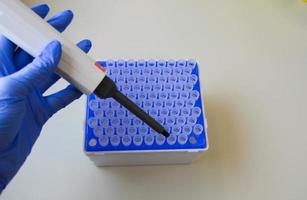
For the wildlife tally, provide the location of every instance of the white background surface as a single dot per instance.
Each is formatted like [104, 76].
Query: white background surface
[253, 55]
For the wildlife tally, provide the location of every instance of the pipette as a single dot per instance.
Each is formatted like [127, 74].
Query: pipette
[32, 33]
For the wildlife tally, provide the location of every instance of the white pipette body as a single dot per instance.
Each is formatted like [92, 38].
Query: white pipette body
[30, 32]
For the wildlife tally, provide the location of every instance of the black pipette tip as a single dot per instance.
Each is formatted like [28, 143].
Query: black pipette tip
[107, 88]
[165, 133]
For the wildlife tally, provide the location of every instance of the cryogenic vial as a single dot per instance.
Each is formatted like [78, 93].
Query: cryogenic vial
[93, 104]
[147, 71]
[168, 87]
[151, 63]
[157, 87]
[92, 122]
[109, 131]
[190, 103]
[184, 95]
[177, 71]
[137, 121]
[132, 130]
[174, 95]
[164, 112]
[147, 87]
[198, 129]
[194, 95]
[137, 140]
[136, 71]
[126, 71]
[104, 140]
[120, 130]
[171, 140]
[160, 120]
[126, 88]
[110, 64]
[157, 71]
[187, 129]
[188, 86]
[179, 103]
[193, 79]
[98, 113]
[120, 112]
[98, 131]
[185, 112]
[176, 129]
[182, 139]
[131, 96]
[109, 113]
[142, 95]
[149, 139]
[175, 112]
[163, 95]
[126, 140]
[171, 63]
[196, 111]
[115, 121]
[120, 63]
[161, 63]
[183, 79]
[172, 79]
[131, 79]
[158, 103]
[152, 95]
[162, 79]
[170, 121]
[166, 72]
[115, 72]
[178, 87]
[191, 64]
[141, 63]
[131, 63]
[104, 104]
[104, 122]
[141, 79]
[192, 121]
[143, 130]
[120, 80]
[136, 87]
[180, 120]
[147, 104]
[181, 63]
[115, 140]
[126, 121]
[169, 104]
[187, 71]
[114, 104]
[160, 139]
[153, 112]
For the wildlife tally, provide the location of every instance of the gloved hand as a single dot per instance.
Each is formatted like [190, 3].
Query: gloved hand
[23, 107]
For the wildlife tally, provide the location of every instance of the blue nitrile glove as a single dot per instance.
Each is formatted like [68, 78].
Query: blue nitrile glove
[23, 107]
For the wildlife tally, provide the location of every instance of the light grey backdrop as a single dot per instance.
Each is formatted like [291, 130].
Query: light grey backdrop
[253, 55]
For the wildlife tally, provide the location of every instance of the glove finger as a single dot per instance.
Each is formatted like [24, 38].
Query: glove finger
[41, 10]
[62, 98]
[39, 70]
[60, 22]
[8, 46]
[84, 45]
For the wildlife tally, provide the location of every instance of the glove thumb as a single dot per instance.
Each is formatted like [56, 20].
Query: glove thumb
[40, 69]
